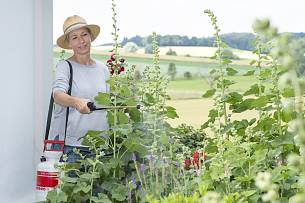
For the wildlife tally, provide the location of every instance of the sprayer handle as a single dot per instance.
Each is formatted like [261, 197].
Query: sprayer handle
[91, 106]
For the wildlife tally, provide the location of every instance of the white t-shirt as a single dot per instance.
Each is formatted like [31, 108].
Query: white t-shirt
[88, 80]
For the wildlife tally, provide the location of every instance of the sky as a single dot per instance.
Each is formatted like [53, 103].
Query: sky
[182, 17]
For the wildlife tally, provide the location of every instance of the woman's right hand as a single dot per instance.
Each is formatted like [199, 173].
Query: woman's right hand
[81, 105]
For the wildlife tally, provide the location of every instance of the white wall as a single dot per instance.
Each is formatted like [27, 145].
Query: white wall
[26, 61]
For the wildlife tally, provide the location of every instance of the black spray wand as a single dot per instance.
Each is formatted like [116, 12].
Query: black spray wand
[93, 107]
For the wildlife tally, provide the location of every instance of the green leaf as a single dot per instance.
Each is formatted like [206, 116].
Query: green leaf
[86, 189]
[135, 144]
[209, 93]
[226, 83]
[288, 92]
[110, 117]
[164, 139]
[252, 62]
[250, 72]
[213, 113]
[122, 117]
[112, 83]
[91, 162]
[56, 196]
[287, 115]
[125, 92]
[103, 99]
[242, 106]
[149, 98]
[254, 89]
[115, 162]
[283, 140]
[95, 137]
[234, 97]
[86, 176]
[260, 102]
[260, 155]
[134, 114]
[226, 61]
[248, 193]
[252, 121]
[231, 71]
[102, 198]
[265, 74]
[265, 124]
[171, 112]
[119, 192]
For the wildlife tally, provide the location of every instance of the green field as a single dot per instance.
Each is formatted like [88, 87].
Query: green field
[191, 107]
[186, 94]
[192, 89]
[197, 66]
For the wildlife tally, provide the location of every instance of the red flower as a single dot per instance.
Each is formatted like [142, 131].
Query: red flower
[187, 163]
[121, 70]
[112, 71]
[115, 68]
[196, 157]
[112, 57]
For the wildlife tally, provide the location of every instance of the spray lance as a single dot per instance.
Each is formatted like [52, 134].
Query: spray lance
[93, 107]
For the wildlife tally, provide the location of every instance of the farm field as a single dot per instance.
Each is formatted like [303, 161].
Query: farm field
[185, 93]
[197, 66]
[195, 112]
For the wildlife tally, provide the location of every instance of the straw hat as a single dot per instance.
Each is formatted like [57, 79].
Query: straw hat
[73, 23]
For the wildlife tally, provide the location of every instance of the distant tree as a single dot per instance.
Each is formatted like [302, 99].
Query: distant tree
[242, 41]
[171, 52]
[227, 53]
[148, 49]
[131, 47]
[172, 71]
[187, 75]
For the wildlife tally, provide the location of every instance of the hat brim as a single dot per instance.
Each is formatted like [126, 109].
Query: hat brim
[62, 40]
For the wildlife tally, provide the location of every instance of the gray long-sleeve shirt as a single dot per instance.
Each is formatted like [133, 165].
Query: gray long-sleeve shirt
[88, 80]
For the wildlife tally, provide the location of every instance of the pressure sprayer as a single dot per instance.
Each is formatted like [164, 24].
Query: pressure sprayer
[47, 177]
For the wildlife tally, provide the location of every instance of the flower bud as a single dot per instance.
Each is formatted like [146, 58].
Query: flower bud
[270, 196]
[263, 180]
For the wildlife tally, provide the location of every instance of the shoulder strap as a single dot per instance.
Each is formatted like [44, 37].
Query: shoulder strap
[49, 118]
[69, 93]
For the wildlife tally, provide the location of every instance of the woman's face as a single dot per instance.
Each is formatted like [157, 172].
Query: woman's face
[80, 41]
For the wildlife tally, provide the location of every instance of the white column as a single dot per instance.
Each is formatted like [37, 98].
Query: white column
[43, 60]
[26, 60]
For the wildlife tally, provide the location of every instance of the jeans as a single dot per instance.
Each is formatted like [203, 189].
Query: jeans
[73, 157]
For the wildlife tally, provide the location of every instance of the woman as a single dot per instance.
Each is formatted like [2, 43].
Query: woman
[89, 78]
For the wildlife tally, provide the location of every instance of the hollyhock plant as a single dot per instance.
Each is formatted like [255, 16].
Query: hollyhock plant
[116, 66]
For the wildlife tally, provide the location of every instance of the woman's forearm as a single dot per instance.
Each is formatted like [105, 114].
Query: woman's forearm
[64, 99]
